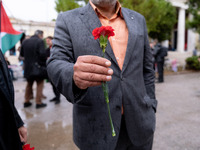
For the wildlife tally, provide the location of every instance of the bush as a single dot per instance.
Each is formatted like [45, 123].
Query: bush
[193, 63]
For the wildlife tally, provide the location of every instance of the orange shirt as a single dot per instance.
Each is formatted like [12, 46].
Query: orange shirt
[120, 40]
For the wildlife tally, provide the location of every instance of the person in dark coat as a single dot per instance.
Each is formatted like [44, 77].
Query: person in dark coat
[56, 99]
[160, 53]
[12, 131]
[33, 51]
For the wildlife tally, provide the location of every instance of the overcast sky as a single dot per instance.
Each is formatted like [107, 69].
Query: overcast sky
[35, 10]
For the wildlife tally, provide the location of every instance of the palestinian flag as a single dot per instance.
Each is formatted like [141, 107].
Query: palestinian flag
[8, 36]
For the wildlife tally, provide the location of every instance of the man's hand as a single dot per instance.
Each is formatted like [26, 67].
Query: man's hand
[91, 71]
[23, 134]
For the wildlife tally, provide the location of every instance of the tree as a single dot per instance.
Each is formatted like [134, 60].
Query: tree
[194, 10]
[86, 1]
[64, 5]
[160, 16]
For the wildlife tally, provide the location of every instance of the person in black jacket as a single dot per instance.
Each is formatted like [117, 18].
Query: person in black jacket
[12, 131]
[33, 51]
[56, 99]
[160, 53]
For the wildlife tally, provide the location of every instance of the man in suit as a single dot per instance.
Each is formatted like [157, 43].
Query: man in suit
[77, 69]
[56, 99]
[12, 131]
[33, 51]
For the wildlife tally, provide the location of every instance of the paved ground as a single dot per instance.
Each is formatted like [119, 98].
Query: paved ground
[178, 116]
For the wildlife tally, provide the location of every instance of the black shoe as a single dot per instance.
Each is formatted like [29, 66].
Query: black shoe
[53, 100]
[41, 105]
[27, 104]
[159, 81]
[57, 102]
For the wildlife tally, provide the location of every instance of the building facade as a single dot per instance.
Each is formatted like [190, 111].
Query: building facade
[183, 39]
[29, 27]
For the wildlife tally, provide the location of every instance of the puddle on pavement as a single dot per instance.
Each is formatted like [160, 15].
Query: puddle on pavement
[50, 136]
[26, 114]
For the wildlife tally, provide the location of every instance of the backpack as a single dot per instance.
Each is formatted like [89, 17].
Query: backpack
[163, 51]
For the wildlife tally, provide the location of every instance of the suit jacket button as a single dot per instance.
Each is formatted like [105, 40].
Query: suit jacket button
[121, 77]
[118, 107]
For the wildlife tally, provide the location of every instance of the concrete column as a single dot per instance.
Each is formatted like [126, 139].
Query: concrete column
[191, 40]
[191, 37]
[181, 30]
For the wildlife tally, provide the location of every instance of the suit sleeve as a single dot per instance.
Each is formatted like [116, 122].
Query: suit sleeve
[18, 119]
[10, 99]
[61, 62]
[148, 71]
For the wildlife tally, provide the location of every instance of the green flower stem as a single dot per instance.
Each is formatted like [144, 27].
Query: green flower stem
[105, 91]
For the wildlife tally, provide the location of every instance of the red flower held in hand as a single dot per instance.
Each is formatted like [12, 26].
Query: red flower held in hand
[104, 31]
[27, 147]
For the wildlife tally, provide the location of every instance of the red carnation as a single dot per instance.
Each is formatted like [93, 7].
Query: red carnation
[104, 31]
[27, 147]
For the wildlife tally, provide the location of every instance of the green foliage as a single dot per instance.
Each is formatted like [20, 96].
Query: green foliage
[194, 10]
[64, 5]
[160, 16]
[86, 1]
[193, 63]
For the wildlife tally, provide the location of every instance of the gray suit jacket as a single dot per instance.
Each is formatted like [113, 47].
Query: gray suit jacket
[133, 86]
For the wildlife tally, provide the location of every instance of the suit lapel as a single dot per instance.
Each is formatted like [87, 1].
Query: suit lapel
[89, 18]
[91, 21]
[132, 36]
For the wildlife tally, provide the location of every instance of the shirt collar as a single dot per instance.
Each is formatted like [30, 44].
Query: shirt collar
[98, 12]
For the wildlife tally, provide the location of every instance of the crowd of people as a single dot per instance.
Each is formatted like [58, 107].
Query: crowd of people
[34, 56]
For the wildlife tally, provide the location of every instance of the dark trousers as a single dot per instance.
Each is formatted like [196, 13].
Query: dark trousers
[29, 90]
[124, 142]
[160, 67]
[57, 94]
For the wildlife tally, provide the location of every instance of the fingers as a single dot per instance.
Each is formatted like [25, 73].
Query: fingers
[94, 68]
[83, 84]
[88, 80]
[24, 138]
[21, 138]
[94, 77]
[91, 71]
[94, 60]
[23, 134]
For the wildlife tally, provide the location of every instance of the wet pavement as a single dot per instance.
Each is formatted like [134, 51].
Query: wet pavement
[178, 116]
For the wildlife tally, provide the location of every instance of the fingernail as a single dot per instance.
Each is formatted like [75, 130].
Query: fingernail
[108, 77]
[108, 63]
[110, 71]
